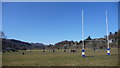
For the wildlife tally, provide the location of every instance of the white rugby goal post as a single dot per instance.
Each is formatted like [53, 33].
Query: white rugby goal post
[83, 45]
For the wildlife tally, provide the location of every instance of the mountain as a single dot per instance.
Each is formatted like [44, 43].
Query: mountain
[38, 45]
[16, 44]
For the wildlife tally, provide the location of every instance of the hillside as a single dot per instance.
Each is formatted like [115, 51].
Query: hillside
[17, 44]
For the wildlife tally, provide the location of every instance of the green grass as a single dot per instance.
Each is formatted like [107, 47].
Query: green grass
[0, 59]
[60, 58]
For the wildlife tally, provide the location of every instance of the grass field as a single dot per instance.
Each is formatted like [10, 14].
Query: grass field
[60, 58]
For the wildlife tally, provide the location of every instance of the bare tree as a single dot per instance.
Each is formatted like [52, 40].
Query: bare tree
[2, 34]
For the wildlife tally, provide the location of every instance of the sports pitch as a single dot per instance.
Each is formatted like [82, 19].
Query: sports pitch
[60, 58]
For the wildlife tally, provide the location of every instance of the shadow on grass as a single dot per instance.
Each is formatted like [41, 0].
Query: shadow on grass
[89, 56]
[103, 55]
[113, 55]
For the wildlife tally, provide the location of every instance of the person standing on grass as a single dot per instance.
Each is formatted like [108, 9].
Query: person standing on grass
[44, 49]
[53, 50]
[94, 50]
[23, 53]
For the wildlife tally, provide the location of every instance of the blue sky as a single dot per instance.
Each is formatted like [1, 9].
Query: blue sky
[51, 22]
